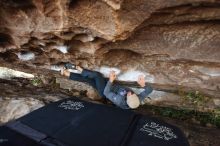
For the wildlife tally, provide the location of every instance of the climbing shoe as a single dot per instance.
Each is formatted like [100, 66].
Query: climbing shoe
[69, 66]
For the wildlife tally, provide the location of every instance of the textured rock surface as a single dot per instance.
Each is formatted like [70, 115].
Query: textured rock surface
[89, 91]
[192, 41]
[14, 108]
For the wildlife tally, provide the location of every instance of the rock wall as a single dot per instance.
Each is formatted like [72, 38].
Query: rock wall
[174, 42]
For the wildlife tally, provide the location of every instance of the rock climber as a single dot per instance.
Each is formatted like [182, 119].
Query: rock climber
[123, 97]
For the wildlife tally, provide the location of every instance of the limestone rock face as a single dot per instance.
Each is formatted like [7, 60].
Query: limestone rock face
[170, 41]
[25, 19]
[175, 43]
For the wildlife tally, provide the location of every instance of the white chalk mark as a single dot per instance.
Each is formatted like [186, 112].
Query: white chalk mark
[26, 56]
[63, 49]
[130, 75]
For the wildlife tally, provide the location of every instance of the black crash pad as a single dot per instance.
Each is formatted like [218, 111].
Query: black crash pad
[9, 137]
[81, 123]
[150, 131]
[73, 122]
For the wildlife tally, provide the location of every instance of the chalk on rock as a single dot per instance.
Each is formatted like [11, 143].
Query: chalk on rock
[105, 70]
[25, 56]
[63, 49]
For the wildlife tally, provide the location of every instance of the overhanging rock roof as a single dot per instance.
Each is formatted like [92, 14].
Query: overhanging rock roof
[73, 122]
